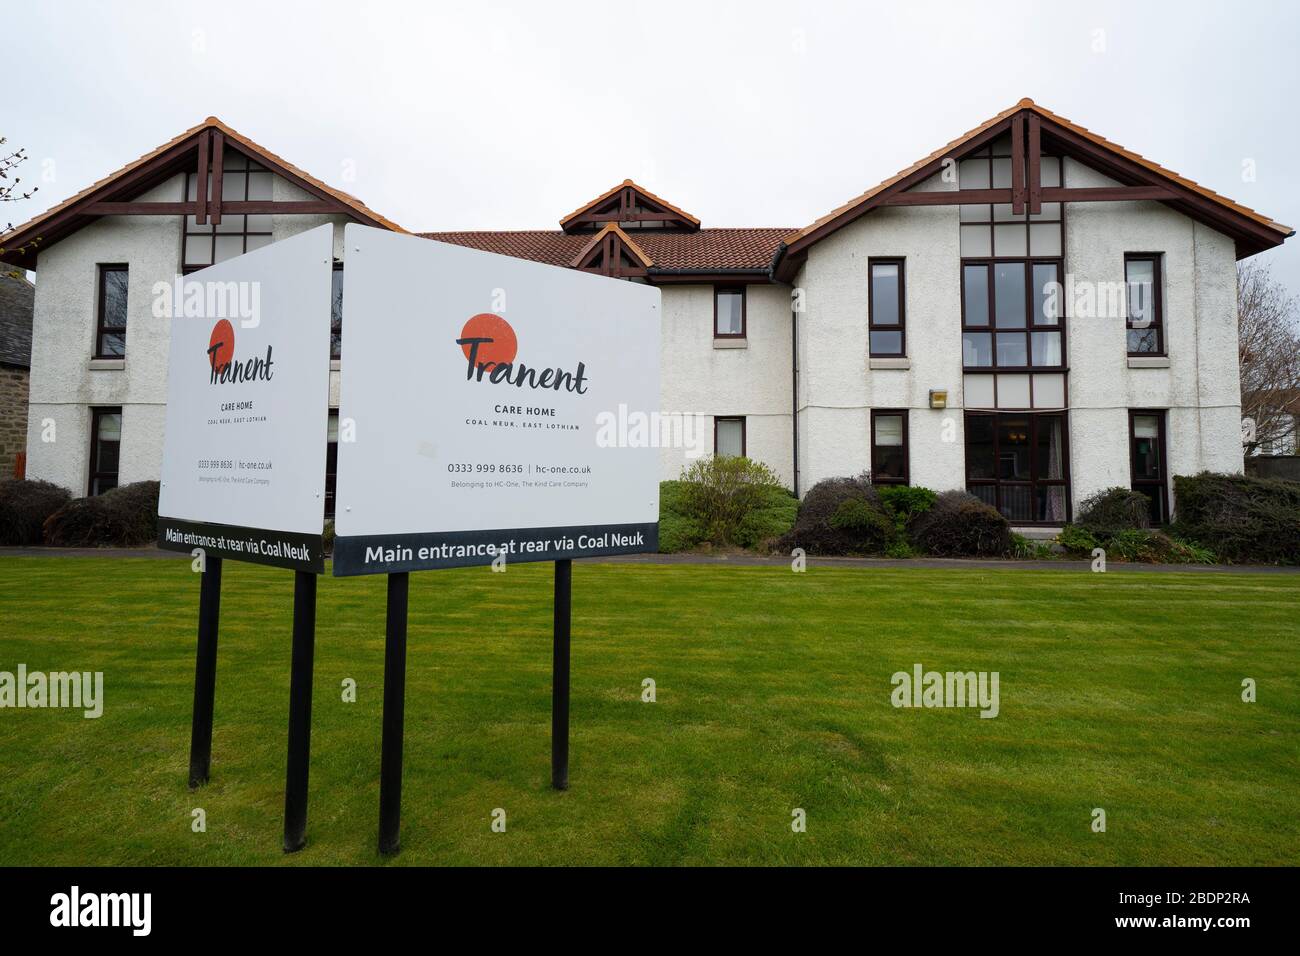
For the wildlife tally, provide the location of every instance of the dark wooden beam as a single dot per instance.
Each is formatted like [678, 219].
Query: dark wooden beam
[1017, 166]
[1035, 185]
[303, 207]
[966, 197]
[201, 186]
[1106, 193]
[956, 197]
[218, 161]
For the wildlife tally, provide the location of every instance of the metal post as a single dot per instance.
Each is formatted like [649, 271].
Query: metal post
[304, 646]
[560, 676]
[205, 672]
[390, 758]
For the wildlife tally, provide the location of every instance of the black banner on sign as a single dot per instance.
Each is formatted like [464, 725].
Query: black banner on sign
[281, 549]
[393, 553]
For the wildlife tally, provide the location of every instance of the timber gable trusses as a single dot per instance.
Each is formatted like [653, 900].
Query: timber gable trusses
[200, 149]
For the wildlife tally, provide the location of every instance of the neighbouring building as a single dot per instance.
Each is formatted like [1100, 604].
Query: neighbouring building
[16, 297]
[1030, 312]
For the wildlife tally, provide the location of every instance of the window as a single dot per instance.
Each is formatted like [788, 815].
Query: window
[1018, 463]
[1147, 441]
[105, 444]
[885, 307]
[336, 312]
[992, 230]
[331, 461]
[241, 180]
[1011, 315]
[110, 319]
[889, 447]
[729, 436]
[729, 313]
[1142, 286]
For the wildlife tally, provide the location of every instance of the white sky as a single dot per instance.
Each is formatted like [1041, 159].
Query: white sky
[509, 115]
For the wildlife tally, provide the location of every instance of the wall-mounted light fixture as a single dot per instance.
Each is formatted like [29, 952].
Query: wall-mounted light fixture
[938, 398]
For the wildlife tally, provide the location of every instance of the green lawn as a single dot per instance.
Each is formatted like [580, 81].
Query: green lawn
[1118, 690]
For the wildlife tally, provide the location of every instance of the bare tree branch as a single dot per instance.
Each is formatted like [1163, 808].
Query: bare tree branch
[1268, 350]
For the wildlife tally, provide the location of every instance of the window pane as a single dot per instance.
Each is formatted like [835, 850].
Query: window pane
[1002, 213]
[1051, 446]
[1013, 391]
[976, 241]
[1010, 240]
[980, 462]
[973, 174]
[233, 186]
[730, 305]
[228, 247]
[889, 430]
[1142, 341]
[884, 294]
[1046, 348]
[1009, 295]
[977, 391]
[1051, 210]
[975, 212]
[1013, 449]
[1012, 349]
[1047, 294]
[1049, 391]
[985, 493]
[975, 294]
[259, 223]
[730, 436]
[1051, 504]
[198, 250]
[259, 186]
[886, 343]
[1002, 173]
[257, 242]
[1146, 446]
[110, 428]
[1045, 239]
[115, 282]
[977, 349]
[112, 344]
[1140, 274]
[1049, 171]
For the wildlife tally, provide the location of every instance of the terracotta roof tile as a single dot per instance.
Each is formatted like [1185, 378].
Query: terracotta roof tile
[641, 189]
[705, 249]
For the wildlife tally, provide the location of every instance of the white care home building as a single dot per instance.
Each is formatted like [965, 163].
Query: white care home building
[1031, 313]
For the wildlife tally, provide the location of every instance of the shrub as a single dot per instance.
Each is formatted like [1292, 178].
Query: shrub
[1026, 549]
[123, 517]
[327, 537]
[823, 528]
[678, 533]
[1077, 541]
[960, 525]
[906, 501]
[681, 527]
[1115, 509]
[773, 517]
[1241, 519]
[24, 506]
[721, 490]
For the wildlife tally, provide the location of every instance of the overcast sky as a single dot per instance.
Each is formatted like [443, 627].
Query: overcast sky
[509, 115]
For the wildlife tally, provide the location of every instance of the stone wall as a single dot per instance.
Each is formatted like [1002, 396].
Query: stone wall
[13, 417]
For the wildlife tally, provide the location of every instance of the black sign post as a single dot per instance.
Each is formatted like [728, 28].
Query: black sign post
[560, 675]
[300, 681]
[390, 758]
[205, 673]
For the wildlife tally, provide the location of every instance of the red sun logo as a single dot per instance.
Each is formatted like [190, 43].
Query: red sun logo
[497, 339]
[221, 346]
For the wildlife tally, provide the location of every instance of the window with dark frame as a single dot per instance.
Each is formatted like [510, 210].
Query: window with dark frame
[1146, 429]
[1142, 296]
[336, 312]
[105, 449]
[110, 312]
[729, 436]
[1011, 268]
[886, 308]
[889, 451]
[242, 180]
[729, 313]
[1019, 464]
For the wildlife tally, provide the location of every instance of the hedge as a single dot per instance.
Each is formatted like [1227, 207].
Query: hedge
[840, 516]
[960, 525]
[122, 517]
[1243, 520]
[24, 506]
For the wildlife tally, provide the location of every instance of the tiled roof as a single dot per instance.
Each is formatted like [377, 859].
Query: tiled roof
[16, 295]
[686, 216]
[704, 249]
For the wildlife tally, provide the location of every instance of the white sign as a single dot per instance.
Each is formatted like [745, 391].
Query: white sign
[480, 396]
[243, 472]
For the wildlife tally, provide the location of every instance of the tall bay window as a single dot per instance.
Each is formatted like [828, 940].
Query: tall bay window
[1147, 446]
[1018, 463]
[1011, 314]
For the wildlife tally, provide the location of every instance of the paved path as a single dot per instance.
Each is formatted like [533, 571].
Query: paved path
[742, 559]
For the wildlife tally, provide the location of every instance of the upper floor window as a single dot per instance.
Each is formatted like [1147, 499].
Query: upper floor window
[1142, 285]
[1011, 315]
[885, 308]
[336, 312]
[889, 447]
[110, 312]
[729, 313]
[241, 180]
